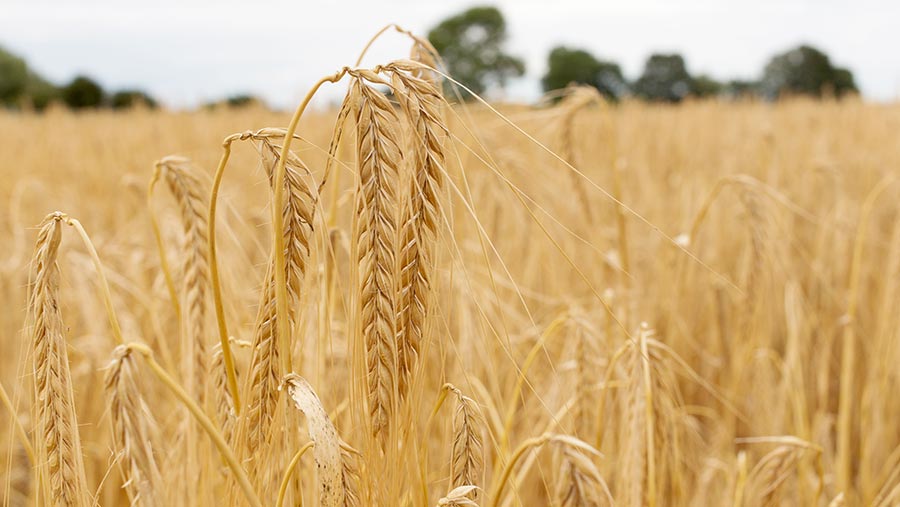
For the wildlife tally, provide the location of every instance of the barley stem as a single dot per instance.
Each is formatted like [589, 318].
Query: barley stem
[214, 279]
[281, 295]
[104, 285]
[20, 431]
[202, 419]
[287, 475]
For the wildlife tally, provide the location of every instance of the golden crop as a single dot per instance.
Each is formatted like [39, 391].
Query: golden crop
[579, 304]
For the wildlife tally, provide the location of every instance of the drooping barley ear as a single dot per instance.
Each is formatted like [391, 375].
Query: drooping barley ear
[350, 475]
[459, 497]
[134, 432]
[181, 178]
[298, 211]
[261, 388]
[467, 451]
[379, 161]
[580, 483]
[60, 462]
[421, 103]
[327, 450]
[767, 477]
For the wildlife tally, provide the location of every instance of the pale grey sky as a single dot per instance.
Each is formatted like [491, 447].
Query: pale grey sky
[185, 52]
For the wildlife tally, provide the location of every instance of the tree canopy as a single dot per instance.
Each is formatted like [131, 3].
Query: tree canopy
[665, 78]
[568, 65]
[472, 46]
[805, 70]
[125, 99]
[83, 92]
[13, 77]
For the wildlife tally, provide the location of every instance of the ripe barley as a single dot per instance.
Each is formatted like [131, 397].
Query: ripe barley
[580, 483]
[134, 431]
[467, 452]
[59, 444]
[379, 162]
[182, 180]
[261, 388]
[421, 103]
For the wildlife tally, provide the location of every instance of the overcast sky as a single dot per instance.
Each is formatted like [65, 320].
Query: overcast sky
[185, 52]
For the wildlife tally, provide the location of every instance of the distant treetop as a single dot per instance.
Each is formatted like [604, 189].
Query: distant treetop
[568, 65]
[471, 45]
[805, 70]
[21, 87]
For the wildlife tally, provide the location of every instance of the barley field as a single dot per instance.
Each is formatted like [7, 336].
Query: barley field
[576, 304]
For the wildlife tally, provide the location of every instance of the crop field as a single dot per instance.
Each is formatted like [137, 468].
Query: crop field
[573, 304]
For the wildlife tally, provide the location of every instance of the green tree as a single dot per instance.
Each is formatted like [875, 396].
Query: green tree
[706, 86]
[13, 78]
[242, 100]
[741, 88]
[82, 93]
[39, 92]
[471, 45]
[665, 78]
[125, 99]
[805, 70]
[568, 65]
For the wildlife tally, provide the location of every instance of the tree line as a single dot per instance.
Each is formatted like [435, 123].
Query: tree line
[21, 86]
[472, 45]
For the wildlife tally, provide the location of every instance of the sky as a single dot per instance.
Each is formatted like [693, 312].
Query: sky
[188, 52]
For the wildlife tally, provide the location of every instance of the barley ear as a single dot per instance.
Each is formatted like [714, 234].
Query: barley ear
[134, 431]
[327, 449]
[467, 451]
[379, 160]
[182, 179]
[61, 464]
[421, 212]
[580, 483]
